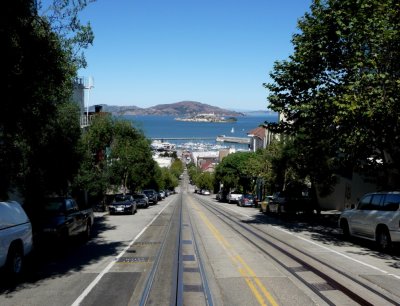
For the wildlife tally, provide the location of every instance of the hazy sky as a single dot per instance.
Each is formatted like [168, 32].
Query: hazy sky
[218, 52]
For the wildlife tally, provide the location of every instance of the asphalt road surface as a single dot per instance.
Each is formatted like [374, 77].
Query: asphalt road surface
[190, 249]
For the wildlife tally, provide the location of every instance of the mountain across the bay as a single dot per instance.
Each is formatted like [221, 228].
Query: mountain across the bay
[181, 109]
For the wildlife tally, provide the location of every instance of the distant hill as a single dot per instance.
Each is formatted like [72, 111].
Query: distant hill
[179, 109]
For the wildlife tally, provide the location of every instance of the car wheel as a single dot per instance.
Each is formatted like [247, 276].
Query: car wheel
[383, 239]
[88, 231]
[14, 263]
[344, 225]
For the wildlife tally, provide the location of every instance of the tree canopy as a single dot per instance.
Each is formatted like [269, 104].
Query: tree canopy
[233, 173]
[37, 126]
[339, 90]
[116, 155]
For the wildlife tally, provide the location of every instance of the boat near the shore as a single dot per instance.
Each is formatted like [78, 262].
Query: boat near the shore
[207, 118]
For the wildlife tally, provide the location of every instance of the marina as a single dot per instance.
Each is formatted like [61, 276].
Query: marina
[198, 136]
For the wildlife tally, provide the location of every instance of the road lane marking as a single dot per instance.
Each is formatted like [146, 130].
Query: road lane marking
[324, 247]
[251, 279]
[339, 253]
[89, 288]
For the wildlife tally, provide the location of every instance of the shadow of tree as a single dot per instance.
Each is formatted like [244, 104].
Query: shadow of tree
[324, 229]
[53, 259]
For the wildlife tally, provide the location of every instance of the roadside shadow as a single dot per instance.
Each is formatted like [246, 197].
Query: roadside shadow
[324, 228]
[54, 259]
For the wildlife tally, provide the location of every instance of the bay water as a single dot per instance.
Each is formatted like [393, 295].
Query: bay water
[167, 128]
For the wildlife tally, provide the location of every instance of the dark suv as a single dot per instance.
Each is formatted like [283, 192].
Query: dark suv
[296, 198]
[152, 195]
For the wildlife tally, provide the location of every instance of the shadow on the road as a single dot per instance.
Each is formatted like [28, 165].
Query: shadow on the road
[53, 259]
[324, 229]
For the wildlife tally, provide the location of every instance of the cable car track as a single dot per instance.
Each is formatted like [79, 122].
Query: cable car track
[186, 259]
[258, 235]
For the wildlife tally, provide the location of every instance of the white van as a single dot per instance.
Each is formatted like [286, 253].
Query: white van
[15, 237]
[376, 217]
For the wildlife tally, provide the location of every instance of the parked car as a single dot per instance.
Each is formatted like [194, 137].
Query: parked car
[376, 217]
[264, 205]
[62, 218]
[123, 204]
[152, 195]
[141, 200]
[15, 237]
[246, 200]
[161, 194]
[292, 201]
[221, 196]
[205, 192]
[234, 197]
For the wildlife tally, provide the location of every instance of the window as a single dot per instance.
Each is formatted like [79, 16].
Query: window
[70, 205]
[364, 203]
[376, 202]
[391, 202]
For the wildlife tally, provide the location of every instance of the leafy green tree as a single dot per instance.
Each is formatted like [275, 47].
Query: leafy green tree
[38, 133]
[116, 155]
[63, 18]
[339, 90]
[132, 164]
[205, 180]
[193, 172]
[93, 175]
[177, 167]
[169, 181]
[231, 171]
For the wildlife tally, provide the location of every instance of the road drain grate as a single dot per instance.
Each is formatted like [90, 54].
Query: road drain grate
[188, 258]
[323, 286]
[192, 288]
[139, 243]
[134, 259]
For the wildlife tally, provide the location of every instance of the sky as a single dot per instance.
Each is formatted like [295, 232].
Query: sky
[217, 52]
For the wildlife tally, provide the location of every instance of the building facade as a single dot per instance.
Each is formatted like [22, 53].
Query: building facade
[81, 96]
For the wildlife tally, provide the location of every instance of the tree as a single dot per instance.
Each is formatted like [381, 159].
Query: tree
[176, 167]
[116, 155]
[131, 159]
[36, 90]
[205, 180]
[63, 18]
[339, 90]
[93, 175]
[169, 181]
[231, 171]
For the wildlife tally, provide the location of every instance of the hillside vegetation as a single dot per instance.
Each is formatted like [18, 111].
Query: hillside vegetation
[183, 108]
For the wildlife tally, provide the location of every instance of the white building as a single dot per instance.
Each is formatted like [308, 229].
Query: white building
[81, 96]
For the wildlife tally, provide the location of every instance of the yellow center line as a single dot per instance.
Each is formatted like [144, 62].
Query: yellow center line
[244, 269]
